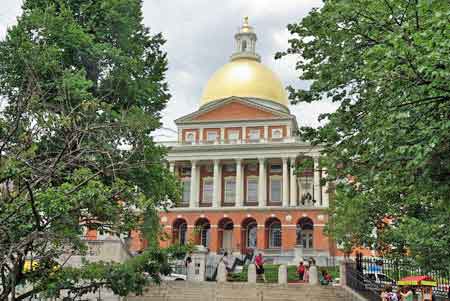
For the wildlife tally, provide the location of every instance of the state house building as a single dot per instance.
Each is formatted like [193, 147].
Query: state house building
[236, 158]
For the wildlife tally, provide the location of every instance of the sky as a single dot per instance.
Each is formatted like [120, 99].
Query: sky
[200, 39]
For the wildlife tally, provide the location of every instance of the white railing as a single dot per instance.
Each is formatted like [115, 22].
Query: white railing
[234, 141]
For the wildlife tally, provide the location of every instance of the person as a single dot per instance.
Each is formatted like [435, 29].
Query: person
[306, 275]
[188, 260]
[388, 295]
[326, 278]
[406, 294]
[259, 263]
[301, 271]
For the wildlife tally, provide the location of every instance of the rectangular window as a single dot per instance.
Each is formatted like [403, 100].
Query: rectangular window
[275, 189]
[275, 168]
[229, 167]
[233, 135]
[252, 189]
[230, 189]
[207, 190]
[254, 134]
[276, 133]
[186, 191]
[211, 136]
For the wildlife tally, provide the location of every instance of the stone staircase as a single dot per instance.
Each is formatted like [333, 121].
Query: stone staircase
[240, 291]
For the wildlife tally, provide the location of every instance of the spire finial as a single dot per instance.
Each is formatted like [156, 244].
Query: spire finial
[246, 21]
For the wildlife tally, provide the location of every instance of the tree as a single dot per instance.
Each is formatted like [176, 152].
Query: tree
[386, 63]
[82, 85]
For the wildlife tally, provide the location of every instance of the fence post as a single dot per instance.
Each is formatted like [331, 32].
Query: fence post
[221, 272]
[343, 273]
[282, 274]
[251, 273]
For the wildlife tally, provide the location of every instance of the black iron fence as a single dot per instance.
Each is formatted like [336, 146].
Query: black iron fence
[380, 272]
[356, 281]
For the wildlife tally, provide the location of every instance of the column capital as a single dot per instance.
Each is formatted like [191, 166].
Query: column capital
[284, 159]
[216, 161]
[193, 162]
[261, 159]
[238, 160]
[293, 157]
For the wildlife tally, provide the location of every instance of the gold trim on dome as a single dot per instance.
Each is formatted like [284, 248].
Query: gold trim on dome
[244, 78]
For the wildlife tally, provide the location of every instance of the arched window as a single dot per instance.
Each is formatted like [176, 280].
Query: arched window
[225, 234]
[251, 235]
[179, 231]
[182, 231]
[203, 228]
[249, 231]
[244, 45]
[273, 233]
[304, 233]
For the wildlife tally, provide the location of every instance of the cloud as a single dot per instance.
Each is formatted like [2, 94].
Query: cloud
[199, 36]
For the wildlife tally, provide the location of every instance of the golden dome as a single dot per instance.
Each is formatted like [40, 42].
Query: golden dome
[244, 77]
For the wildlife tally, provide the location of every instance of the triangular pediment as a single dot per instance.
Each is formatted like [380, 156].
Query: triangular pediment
[234, 108]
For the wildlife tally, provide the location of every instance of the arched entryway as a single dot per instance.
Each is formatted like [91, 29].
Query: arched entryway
[249, 231]
[273, 233]
[202, 232]
[304, 233]
[225, 234]
[179, 231]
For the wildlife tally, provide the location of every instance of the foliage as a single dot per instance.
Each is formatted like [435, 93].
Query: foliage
[386, 63]
[82, 84]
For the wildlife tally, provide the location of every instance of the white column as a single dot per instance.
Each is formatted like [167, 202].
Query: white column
[222, 135]
[262, 178]
[266, 133]
[239, 182]
[317, 188]
[285, 183]
[216, 178]
[193, 197]
[200, 135]
[244, 134]
[325, 195]
[172, 166]
[293, 183]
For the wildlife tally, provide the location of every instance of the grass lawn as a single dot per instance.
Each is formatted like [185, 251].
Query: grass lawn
[271, 273]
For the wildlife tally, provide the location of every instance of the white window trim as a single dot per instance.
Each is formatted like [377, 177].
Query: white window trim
[225, 190]
[280, 178]
[203, 190]
[257, 188]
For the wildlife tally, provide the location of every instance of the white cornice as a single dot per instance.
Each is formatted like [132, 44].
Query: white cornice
[247, 209]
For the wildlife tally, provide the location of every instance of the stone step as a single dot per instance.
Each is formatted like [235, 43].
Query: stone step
[239, 291]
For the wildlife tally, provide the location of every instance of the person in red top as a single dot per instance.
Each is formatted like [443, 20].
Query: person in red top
[301, 271]
[259, 263]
